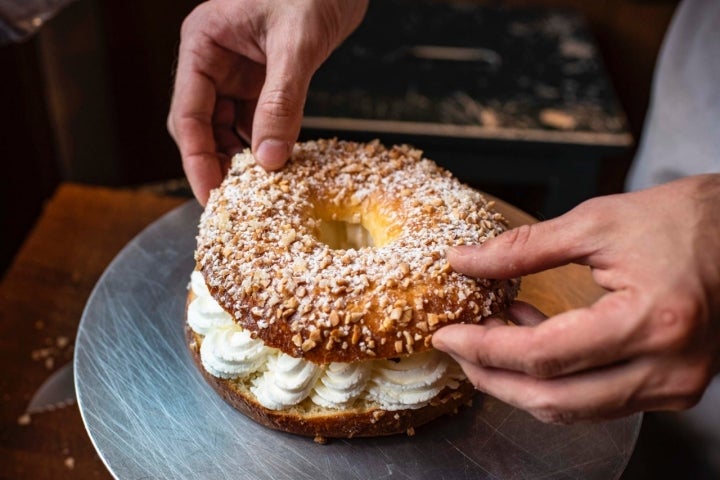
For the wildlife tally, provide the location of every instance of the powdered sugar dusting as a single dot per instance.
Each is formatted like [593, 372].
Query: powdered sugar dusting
[259, 252]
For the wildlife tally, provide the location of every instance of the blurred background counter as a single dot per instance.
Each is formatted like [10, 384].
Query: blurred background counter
[554, 91]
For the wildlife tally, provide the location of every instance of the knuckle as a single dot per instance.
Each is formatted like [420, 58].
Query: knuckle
[554, 416]
[540, 365]
[587, 206]
[191, 22]
[546, 409]
[676, 325]
[682, 388]
[317, 42]
[518, 237]
[479, 356]
[539, 361]
[314, 48]
[279, 104]
[188, 24]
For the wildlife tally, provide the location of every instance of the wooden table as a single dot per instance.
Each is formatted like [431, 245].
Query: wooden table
[41, 301]
[43, 295]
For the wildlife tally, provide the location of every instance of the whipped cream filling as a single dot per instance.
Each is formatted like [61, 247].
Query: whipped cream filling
[280, 381]
[204, 313]
[286, 382]
[412, 382]
[341, 384]
[230, 352]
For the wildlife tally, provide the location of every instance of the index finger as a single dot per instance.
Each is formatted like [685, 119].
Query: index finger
[569, 342]
[528, 248]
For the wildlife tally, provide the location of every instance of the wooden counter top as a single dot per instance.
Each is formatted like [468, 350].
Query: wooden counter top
[41, 301]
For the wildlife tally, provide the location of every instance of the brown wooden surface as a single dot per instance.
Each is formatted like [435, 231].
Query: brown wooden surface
[44, 292]
[41, 300]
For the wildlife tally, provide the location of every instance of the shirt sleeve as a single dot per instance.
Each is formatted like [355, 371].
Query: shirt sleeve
[681, 134]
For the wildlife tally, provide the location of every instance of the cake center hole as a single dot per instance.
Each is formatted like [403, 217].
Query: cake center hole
[340, 235]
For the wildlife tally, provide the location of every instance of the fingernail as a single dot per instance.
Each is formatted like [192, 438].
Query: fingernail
[457, 250]
[272, 154]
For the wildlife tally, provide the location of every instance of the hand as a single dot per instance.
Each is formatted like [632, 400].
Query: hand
[651, 343]
[244, 67]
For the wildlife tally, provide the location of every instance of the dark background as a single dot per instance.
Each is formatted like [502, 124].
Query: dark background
[86, 99]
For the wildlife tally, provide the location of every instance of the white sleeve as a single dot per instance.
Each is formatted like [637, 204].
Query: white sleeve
[681, 135]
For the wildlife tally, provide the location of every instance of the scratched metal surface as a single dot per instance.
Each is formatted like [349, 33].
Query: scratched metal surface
[150, 414]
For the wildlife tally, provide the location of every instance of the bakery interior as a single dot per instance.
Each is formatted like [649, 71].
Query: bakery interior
[86, 95]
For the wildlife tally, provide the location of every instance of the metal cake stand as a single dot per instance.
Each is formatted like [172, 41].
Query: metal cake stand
[150, 414]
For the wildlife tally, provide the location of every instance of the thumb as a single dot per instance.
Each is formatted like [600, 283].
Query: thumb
[523, 250]
[279, 110]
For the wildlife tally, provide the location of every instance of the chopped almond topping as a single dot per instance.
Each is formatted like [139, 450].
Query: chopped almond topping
[259, 250]
[308, 345]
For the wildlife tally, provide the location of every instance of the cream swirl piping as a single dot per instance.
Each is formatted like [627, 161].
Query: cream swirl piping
[204, 312]
[229, 352]
[280, 381]
[411, 382]
[341, 384]
[287, 381]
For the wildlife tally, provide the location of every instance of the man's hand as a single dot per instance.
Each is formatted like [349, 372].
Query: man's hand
[651, 343]
[244, 67]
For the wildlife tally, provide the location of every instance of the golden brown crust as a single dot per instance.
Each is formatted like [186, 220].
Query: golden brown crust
[259, 252]
[326, 423]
